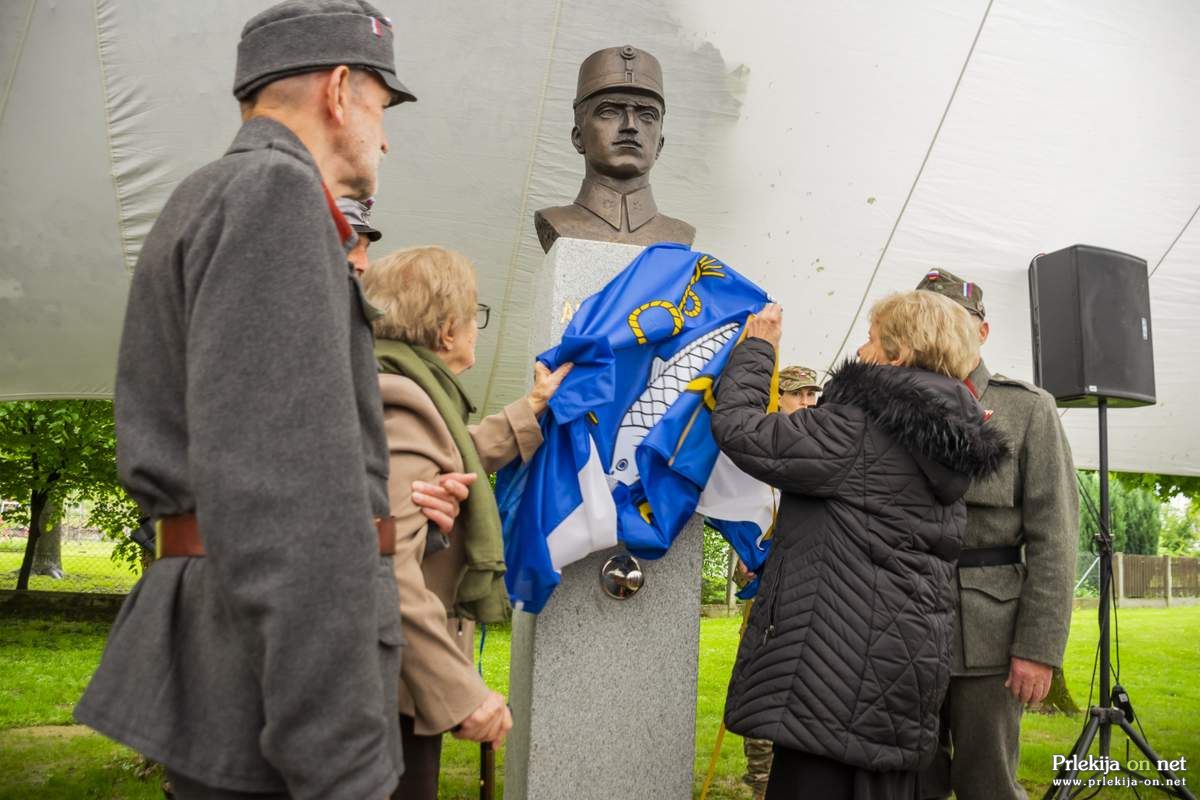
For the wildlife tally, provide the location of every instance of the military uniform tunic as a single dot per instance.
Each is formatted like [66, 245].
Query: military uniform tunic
[1021, 610]
[603, 214]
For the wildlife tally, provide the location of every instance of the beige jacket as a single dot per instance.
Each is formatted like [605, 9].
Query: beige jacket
[439, 686]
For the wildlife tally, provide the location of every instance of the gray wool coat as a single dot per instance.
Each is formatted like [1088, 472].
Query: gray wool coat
[247, 392]
[1021, 610]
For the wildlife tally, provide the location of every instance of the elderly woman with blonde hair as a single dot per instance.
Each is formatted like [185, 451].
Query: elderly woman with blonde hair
[425, 339]
[846, 656]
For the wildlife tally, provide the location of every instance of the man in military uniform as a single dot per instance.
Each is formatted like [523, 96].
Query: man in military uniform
[1015, 579]
[798, 388]
[619, 109]
[259, 656]
[358, 214]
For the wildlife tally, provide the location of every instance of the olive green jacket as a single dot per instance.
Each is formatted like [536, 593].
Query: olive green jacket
[1021, 610]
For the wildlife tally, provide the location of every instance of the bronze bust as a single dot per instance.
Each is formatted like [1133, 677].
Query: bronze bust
[619, 109]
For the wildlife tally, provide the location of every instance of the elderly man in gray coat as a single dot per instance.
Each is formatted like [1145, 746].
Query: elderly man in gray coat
[259, 656]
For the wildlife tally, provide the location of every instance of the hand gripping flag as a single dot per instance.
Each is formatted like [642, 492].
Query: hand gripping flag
[628, 454]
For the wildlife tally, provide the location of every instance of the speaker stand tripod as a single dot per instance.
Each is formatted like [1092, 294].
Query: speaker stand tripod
[1103, 717]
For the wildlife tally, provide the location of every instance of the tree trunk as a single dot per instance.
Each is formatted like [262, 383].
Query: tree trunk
[37, 506]
[730, 583]
[47, 555]
[1058, 700]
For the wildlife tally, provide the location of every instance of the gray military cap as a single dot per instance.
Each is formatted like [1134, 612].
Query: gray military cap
[298, 36]
[358, 214]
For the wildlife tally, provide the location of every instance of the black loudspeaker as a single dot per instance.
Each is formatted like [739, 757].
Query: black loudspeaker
[1090, 310]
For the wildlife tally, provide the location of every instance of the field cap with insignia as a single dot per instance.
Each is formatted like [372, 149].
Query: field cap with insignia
[794, 379]
[620, 68]
[298, 36]
[358, 214]
[966, 294]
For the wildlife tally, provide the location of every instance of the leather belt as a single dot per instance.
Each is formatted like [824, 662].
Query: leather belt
[179, 537]
[990, 556]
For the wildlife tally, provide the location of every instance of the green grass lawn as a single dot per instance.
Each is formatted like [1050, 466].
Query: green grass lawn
[45, 665]
[87, 567]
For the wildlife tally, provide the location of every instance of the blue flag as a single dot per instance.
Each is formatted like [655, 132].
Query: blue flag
[628, 454]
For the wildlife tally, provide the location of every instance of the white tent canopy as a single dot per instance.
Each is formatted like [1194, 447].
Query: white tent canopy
[831, 151]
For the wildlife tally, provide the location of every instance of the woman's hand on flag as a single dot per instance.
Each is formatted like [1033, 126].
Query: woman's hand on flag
[545, 384]
[767, 324]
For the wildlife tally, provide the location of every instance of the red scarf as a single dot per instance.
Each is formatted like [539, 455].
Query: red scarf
[343, 227]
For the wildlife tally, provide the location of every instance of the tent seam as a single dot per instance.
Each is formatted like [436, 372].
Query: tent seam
[516, 249]
[12, 75]
[912, 189]
[122, 233]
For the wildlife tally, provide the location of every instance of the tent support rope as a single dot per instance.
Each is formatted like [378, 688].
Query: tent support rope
[911, 190]
[1174, 241]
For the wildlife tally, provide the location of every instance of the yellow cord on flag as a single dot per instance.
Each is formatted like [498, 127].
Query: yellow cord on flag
[773, 400]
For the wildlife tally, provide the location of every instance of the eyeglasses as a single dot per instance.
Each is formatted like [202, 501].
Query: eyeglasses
[482, 314]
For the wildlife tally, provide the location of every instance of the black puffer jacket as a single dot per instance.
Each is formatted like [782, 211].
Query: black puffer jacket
[847, 651]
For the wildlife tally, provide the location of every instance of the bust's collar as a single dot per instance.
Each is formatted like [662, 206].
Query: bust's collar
[605, 202]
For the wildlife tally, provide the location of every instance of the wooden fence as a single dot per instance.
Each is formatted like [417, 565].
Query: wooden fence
[1166, 577]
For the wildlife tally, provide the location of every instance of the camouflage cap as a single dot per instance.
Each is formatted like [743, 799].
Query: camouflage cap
[795, 378]
[966, 294]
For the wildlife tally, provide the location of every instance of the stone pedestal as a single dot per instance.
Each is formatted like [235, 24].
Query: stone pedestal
[603, 691]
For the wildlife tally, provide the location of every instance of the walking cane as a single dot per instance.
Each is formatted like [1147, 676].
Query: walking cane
[487, 772]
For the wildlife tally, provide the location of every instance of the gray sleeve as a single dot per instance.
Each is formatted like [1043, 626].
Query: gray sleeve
[276, 460]
[1050, 529]
[805, 453]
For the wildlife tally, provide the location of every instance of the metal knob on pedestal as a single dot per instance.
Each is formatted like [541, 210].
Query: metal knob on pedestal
[621, 577]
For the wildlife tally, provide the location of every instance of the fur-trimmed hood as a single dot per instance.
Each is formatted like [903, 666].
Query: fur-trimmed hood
[935, 417]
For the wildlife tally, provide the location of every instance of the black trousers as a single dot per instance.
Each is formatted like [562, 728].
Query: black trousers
[422, 764]
[803, 776]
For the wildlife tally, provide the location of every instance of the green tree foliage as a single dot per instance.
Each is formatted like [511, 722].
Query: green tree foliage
[1164, 487]
[1136, 515]
[59, 452]
[1180, 534]
[715, 569]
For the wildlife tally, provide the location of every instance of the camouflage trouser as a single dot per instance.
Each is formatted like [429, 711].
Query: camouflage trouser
[758, 765]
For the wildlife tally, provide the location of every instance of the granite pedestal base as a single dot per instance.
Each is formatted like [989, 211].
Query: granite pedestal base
[603, 691]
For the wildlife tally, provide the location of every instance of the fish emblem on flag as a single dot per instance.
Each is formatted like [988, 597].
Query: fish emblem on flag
[627, 455]
[668, 380]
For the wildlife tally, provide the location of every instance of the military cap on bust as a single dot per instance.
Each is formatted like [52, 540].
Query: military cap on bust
[358, 214]
[620, 69]
[794, 379]
[298, 36]
[966, 294]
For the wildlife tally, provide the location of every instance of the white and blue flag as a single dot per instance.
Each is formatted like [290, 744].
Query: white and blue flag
[628, 453]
